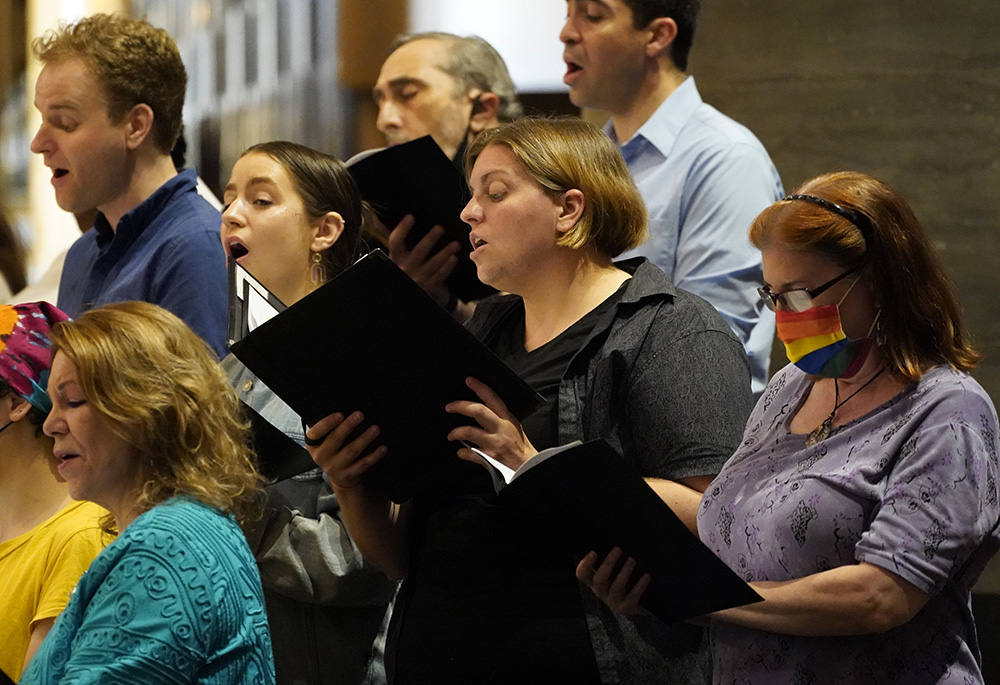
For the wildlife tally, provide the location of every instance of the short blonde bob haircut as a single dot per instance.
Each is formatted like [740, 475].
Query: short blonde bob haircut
[160, 389]
[566, 153]
[921, 323]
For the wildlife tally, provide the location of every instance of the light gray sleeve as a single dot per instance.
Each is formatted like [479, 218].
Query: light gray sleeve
[313, 559]
[302, 548]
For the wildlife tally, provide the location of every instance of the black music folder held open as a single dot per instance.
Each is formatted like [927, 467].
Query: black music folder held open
[418, 178]
[251, 304]
[590, 499]
[372, 340]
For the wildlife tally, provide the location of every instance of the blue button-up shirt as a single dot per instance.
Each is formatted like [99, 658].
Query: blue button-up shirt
[166, 251]
[704, 178]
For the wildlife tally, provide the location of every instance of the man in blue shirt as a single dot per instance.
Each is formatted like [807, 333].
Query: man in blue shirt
[703, 176]
[110, 94]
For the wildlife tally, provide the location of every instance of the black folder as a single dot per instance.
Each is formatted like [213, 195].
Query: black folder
[372, 340]
[250, 304]
[418, 178]
[589, 498]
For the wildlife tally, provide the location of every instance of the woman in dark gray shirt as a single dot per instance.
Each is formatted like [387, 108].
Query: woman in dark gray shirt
[619, 354]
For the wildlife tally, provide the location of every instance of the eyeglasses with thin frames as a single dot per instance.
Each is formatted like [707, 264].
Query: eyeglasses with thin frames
[799, 299]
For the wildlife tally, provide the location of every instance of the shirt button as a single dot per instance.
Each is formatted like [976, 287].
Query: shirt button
[247, 386]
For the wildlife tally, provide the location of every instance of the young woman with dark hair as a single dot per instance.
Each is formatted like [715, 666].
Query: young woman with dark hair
[292, 218]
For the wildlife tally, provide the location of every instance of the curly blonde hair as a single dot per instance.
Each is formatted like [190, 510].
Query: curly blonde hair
[161, 389]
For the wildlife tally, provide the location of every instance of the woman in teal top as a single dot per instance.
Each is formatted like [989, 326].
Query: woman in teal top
[146, 425]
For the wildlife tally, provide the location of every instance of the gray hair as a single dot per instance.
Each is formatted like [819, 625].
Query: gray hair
[474, 64]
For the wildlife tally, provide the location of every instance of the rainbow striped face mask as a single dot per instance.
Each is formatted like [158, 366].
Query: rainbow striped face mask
[816, 343]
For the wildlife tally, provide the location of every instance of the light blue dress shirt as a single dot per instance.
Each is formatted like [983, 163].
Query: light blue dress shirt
[704, 178]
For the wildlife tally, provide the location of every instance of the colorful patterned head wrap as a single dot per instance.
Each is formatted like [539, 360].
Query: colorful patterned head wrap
[26, 350]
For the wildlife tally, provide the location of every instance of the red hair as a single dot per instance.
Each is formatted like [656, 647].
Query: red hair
[921, 320]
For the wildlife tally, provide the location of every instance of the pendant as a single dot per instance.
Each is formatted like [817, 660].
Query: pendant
[821, 432]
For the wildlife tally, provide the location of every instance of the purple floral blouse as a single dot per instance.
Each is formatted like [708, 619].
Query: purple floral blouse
[910, 487]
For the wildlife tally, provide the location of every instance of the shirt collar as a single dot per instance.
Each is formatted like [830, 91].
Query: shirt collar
[139, 217]
[647, 280]
[662, 128]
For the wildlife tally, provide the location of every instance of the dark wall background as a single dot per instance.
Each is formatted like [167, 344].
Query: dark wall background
[906, 91]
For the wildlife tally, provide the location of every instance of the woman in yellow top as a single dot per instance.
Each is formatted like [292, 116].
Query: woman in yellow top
[47, 540]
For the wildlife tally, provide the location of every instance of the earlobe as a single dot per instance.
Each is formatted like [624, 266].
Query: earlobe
[484, 111]
[663, 31]
[328, 229]
[138, 125]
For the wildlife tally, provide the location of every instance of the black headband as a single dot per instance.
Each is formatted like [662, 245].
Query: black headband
[862, 222]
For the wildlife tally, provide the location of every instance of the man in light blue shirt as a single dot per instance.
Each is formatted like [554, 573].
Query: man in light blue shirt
[703, 176]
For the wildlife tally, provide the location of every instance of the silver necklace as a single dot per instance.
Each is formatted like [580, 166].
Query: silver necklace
[822, 431]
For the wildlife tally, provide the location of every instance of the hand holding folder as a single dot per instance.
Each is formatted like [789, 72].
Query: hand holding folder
[372, 340]
[251, 304]
[416, 178]
[590, 499]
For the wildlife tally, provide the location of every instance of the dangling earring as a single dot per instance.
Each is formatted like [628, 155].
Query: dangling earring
[879, 335]
[318, 271]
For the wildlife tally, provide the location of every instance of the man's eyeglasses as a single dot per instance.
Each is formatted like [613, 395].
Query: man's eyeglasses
[799, 299]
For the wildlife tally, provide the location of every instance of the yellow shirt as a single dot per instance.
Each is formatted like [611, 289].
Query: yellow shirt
[38, 571]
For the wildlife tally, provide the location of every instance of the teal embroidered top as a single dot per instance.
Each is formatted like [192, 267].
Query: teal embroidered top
[175, 599]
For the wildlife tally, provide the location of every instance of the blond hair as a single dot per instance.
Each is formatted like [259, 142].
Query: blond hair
[566, 153]
[161, 389]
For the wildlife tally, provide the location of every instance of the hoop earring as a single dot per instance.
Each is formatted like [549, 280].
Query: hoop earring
[318, 272]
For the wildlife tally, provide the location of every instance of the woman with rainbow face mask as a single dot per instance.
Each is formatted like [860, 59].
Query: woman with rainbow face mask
[862, 504]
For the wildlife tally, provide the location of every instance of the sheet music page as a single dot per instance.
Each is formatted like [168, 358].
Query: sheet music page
[504, 475]
[259, 309]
